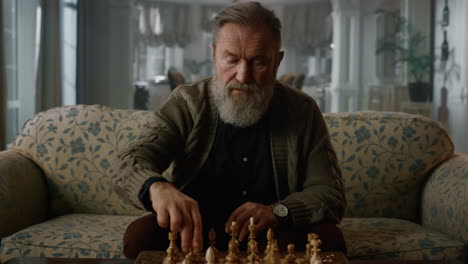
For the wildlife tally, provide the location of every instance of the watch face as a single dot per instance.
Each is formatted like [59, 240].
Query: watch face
[280, 210]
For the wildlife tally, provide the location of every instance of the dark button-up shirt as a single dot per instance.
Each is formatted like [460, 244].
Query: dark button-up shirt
[238, 169]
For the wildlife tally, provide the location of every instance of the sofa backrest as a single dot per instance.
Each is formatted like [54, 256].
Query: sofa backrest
[385, 158]
[74, 146]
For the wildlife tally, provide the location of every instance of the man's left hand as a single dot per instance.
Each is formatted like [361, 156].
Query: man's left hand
[262, 214]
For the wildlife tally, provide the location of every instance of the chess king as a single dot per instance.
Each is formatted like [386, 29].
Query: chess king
[234, 146]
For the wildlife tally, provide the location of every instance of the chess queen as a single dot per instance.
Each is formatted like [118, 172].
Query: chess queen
[234, 146]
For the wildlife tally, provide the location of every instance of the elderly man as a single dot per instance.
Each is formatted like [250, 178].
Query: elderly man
[234, 146]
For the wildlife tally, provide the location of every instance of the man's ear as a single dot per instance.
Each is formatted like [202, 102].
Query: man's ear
[280, 58]
[213, 51]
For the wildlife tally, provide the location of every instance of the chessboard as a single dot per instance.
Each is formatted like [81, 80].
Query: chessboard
[332, 257]
[271, 255]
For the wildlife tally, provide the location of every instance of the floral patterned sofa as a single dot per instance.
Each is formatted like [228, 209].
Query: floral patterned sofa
[406, 189]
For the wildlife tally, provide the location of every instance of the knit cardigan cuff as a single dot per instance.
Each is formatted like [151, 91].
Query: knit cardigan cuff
[299, 213]
[132, 188]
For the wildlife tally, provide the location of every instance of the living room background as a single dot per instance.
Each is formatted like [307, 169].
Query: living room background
[105, 51]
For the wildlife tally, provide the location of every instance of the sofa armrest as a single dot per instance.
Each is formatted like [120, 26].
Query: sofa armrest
[445, 195]
[23, 193]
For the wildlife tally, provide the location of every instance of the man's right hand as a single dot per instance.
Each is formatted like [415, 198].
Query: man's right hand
[179, 212]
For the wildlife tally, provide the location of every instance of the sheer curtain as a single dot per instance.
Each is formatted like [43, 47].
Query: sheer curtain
[306, 26]
[163, 23]
[3, 88]
[162, 31]
[49, 70]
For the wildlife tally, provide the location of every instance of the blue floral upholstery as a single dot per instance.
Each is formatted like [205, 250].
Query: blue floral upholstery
[445, 199]
[74, 146]
[384, 159]
[389, 238]
[406, 189]
[70, 236]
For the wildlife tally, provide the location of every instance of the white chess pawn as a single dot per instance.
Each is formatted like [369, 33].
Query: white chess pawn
[315, 259]
[210, 256]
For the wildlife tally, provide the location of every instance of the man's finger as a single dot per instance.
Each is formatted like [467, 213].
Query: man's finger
[197, 229]
[244, 217]
[244, 231]
[186, 234]
[233, 217]
[261, 225]
[163, 218]
[176, 220]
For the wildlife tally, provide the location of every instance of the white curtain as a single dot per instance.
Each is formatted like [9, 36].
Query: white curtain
[208, 13]
[49, 70]
[163, 23]
[307, 26]
[3, 88]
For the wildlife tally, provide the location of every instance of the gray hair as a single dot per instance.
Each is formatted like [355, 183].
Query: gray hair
[251, 14]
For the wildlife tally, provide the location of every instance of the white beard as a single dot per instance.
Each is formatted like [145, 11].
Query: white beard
[242, 110]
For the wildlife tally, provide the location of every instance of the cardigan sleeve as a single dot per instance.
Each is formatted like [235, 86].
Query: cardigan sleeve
[161, 140]
[321, 197]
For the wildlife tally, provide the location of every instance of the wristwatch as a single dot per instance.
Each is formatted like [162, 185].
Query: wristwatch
[280, 210]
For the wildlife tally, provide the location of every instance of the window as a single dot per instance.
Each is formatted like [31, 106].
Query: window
[69, 44]
[150, 62]
[21, 32]
[10, 41]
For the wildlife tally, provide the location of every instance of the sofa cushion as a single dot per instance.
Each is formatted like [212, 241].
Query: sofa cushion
[74, 146]
[69, 236]
[445, 199]
[388, 238]
[384, 158]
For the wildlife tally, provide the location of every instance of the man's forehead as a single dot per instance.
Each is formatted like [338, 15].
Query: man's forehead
[234, 36]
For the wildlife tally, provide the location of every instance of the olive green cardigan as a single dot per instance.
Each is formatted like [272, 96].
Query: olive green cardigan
[176, 143]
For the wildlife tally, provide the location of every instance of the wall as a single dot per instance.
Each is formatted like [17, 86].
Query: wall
[109, 55]
[457, 86]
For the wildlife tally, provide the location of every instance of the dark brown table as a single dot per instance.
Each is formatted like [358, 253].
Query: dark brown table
[405, 262]
[68, 261]
[127, 261]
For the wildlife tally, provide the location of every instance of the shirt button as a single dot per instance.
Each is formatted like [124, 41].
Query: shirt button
[244, 193]
[245, 159]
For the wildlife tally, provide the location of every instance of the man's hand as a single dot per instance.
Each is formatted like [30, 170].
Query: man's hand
[262, 214]
[179, 212]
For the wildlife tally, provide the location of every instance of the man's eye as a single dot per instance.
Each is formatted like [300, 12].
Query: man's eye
[259, 63]
[231, 60]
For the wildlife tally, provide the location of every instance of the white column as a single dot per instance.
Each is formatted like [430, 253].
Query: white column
[346, 71]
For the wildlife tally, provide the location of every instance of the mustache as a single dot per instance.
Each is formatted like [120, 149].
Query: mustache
[241, 86]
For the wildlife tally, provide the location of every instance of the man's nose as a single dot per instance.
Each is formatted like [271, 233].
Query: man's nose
[244, 73]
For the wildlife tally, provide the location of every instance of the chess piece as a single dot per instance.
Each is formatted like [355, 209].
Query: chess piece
[232, 256]
[210, 256]
[315, 242]
[308, 254]
[252, 245]
[291, 256]
[173, 253]
[270, 237]
[194, 257]
[189, 258]
[273, 256]
[212, 238]
[198, 256]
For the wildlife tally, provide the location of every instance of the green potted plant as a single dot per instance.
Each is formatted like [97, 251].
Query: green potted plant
[407, 45]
